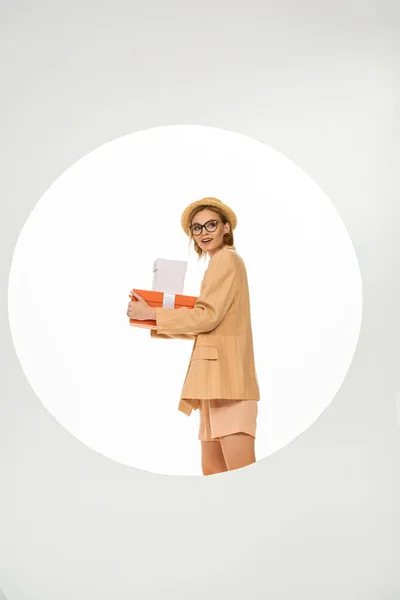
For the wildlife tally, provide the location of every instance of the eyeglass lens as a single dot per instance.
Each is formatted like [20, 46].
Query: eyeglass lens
[210, 226]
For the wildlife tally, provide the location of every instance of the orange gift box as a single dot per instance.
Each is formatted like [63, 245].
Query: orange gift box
[162, 300]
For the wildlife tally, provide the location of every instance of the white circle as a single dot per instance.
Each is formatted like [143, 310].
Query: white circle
[94, 236]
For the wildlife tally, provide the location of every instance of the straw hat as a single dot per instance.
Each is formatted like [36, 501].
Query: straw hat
[210, 202]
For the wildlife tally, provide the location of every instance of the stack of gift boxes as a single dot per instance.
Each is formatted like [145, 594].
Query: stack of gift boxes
[167, 289]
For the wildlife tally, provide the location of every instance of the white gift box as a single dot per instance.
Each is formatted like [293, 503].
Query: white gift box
[169, 275]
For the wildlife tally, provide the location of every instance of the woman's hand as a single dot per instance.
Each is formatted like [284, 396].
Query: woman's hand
[140, 309]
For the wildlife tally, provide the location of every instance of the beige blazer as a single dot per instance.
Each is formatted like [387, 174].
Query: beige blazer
[222, 360]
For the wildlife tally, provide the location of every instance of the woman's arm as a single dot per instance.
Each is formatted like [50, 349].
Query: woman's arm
[216, 296]
[179, 336]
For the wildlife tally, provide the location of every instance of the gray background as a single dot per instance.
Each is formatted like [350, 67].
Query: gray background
[319, 82]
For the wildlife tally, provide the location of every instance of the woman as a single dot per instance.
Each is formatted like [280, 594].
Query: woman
[221, 379]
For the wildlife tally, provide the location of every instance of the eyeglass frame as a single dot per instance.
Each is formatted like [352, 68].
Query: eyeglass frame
[204, 226]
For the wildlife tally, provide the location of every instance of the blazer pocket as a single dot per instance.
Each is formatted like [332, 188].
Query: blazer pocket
[210, 352]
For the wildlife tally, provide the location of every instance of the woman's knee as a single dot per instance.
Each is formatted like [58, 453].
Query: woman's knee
[210, 466]
[213, 469]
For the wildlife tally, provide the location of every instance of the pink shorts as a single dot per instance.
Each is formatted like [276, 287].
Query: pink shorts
[224, 417]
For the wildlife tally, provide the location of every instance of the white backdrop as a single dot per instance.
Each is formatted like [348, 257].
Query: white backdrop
[94, 236]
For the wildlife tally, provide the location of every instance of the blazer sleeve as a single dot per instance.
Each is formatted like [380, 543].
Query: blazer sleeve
[219, 288]
[179, 336]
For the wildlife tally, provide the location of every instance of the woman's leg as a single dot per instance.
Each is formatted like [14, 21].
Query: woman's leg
[212, 459]
[238, 450]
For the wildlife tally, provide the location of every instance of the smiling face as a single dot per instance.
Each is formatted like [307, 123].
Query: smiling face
[206, 215]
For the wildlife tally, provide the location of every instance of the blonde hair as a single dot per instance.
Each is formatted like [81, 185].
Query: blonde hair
[228, 237]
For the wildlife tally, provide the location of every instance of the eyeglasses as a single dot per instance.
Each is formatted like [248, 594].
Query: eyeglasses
[209, 226]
